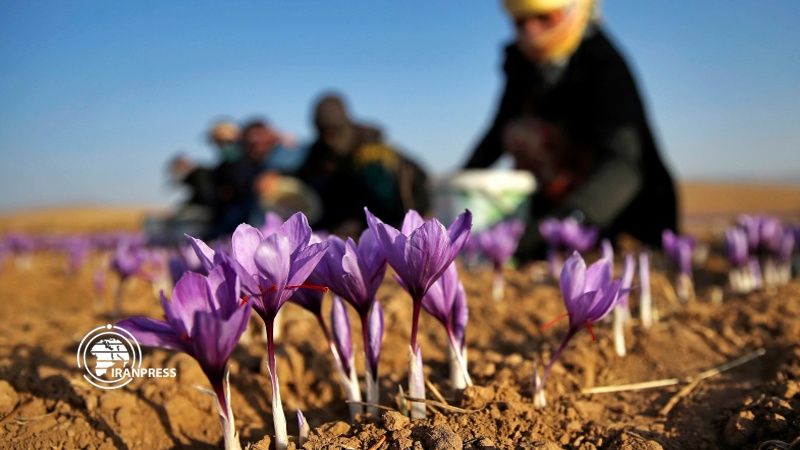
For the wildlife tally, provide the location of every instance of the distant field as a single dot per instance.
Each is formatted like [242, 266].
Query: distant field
[704, 206]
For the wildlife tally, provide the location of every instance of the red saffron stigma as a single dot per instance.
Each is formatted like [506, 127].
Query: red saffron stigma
[244, 300]
[375, 275]
[554, 321]
[589, 326]
[309, 286]
[185, 337]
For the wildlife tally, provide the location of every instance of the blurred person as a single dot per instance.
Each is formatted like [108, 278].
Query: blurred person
[239, 178]
[199, 180]
[571, 114]
[350, 166]
[224, 136]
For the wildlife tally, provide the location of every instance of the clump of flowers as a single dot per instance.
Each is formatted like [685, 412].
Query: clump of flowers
[419, 254]
[270, 268]
[589, 296]
[355, 272]
[498, 244]
[446, 302]
[128, 259]
[679, 250]
[205, 319]
[565, 237]
[771, 244]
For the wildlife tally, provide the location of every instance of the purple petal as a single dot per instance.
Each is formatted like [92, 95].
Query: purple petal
[204, 253]
[598, 275]
[244, 242]
[272, 223]
[375, 328]
[153, 333]
[340, 325]
[272, 259]
[215, 338]
[225, 287]
[298, 231]
[460, 315]
[411, 222]
[626, 279]
[572, 279]
[458, 233]
[603, 304]
[189, 295]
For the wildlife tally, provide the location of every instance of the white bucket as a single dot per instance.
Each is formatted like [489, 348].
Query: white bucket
[491, 196]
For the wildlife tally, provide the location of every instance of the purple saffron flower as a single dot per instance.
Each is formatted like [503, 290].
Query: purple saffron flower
[679, 250]
[445, 299]
[568, 234]
[420, 253]
[500, 241]
[374, 339]
[736, 246]
[589, 296]
[342, 337]
[272, 268]
[354, 272]
[343, 354]
[204, 319]
[128, 259]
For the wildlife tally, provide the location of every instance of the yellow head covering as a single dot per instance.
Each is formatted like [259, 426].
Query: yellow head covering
[224, 131]
[559, 41]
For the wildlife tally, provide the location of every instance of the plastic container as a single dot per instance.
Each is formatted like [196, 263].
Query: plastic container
[491, 195]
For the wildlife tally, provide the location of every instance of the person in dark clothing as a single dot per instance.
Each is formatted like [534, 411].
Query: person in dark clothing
[236, 178]
[572, 115]
[350, 166]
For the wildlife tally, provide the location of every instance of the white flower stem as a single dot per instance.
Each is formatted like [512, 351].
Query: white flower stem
[645, 298]
[373, 391]
[352, 390]
[416, 383]
[498, 285]
[278, 417]
[225, 412]
[462, 372]
[619, 331]
[456, 377]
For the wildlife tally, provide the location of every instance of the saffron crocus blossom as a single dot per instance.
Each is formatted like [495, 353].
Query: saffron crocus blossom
[205, 319]
[679, 250]
[342, 338]
[355, 272]
[440, 303]
[568, 236]
[589, 296]
[499, 243]
[128, 260]
[739, 274]
[459, 319]
[419, 254]
[277, 265]
[270, 269]
[374, 339]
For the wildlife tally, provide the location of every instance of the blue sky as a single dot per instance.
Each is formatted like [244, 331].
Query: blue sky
[95, 96]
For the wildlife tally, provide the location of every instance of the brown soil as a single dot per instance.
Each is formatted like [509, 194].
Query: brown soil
[46, 403]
